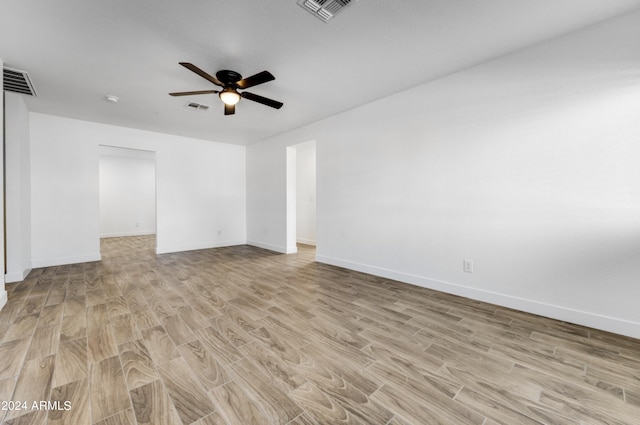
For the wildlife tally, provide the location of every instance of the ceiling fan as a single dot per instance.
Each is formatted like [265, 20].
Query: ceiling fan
[231, 81]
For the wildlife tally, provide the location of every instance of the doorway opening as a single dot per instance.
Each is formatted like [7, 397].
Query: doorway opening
[301, 195]
[127, 199]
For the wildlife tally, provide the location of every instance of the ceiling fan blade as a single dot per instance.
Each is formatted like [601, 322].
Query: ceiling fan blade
[254, 80]
[188, 93]
[201, 73]
[261, 99]
[229, 109]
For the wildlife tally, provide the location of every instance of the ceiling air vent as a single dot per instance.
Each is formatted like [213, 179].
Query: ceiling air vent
[197, 106]
[17, 81]
[324, 9]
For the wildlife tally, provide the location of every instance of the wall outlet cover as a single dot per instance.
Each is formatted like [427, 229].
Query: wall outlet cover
[467, 266]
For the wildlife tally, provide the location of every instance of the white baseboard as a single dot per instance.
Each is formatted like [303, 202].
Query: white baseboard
[192, 247]
[276, 248]
[16, 276]
[3, 298]
[304, 241]
[61, 261]
[125, 234]
[584, 318]
[270, 247]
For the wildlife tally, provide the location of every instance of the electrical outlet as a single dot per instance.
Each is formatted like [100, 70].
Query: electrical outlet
[467, 266]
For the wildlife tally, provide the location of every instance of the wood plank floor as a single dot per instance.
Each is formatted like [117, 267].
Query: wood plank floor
[241, 335]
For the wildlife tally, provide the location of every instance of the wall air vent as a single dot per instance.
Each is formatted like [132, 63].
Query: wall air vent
[324, 9]
[17, 81]
[197, 106]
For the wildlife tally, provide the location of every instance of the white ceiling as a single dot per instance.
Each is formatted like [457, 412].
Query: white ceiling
[78, 51]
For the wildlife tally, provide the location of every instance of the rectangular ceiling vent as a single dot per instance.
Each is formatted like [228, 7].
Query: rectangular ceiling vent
[197, 106]
[324, 9]
[17, 81]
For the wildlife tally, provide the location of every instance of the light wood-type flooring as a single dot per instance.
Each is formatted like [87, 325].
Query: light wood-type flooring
[241, 335]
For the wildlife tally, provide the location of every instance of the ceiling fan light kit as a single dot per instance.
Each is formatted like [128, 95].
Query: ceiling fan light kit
[229, 96]
[231, 82]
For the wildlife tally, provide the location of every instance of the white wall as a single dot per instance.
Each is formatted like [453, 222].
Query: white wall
[267, 196]
[291, 200]
[127, 192]
[277, 219]
[200, 189]
[18, 188]
[306, 193]
[526, 164]
[3, 292]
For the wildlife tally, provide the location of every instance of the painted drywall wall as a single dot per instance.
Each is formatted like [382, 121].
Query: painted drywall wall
[3, 292]
[267, 196]
[306, 193]
[200, 189]
[276, 226]
[292, 169]
[526, 165]
[18, 188]
[127, 192]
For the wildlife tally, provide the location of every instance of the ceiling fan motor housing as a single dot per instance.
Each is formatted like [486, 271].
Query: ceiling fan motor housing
[228, 77]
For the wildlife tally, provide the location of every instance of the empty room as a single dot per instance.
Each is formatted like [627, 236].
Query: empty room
[309, 212]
